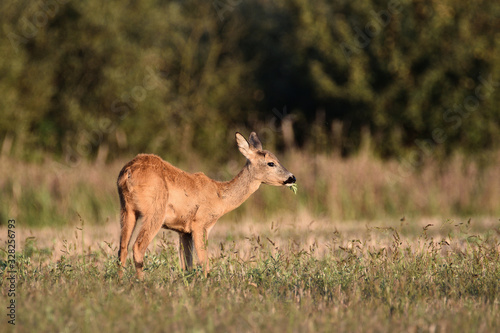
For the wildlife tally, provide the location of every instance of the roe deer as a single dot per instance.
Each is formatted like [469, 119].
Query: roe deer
[165, 196]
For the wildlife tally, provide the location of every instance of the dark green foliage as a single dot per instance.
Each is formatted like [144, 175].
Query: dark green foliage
[419, 77]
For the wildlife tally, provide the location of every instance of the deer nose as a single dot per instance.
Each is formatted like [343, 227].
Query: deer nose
[290, 180]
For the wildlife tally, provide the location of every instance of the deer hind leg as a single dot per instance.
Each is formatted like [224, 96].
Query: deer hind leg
[150, 227]
[186, 249]
[128, 220]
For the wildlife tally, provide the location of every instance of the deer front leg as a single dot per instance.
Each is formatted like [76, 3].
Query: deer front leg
[186, 251]
[200, 238]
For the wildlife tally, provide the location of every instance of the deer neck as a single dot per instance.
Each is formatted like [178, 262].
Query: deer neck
[237, 190]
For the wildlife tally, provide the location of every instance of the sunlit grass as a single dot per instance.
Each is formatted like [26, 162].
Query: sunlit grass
[361, 187]
[445, 278]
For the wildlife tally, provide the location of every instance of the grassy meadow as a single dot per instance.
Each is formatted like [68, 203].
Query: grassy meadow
[362, 187]
[294, 274]
[360, 248]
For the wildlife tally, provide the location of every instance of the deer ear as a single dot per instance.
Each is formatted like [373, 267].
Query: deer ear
[243, 145]
[254, 141]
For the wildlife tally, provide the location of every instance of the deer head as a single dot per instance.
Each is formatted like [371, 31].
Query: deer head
[262, 164]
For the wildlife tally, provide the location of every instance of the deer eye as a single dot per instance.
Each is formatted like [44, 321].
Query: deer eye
[271, 164]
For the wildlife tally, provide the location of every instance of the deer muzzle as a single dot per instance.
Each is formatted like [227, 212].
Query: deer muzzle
[291, 180]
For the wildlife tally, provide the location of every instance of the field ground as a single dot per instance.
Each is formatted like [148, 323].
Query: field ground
[292, 274]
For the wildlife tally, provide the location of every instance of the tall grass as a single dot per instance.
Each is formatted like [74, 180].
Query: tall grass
[443, 279]
[363, 187]
[360, 187]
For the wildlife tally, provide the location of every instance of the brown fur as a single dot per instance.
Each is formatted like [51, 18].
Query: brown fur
[190, 204]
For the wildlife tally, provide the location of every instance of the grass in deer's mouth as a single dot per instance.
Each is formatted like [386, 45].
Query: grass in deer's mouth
[293, 188]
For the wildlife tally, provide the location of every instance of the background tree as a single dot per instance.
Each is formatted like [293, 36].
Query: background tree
[80, 79]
